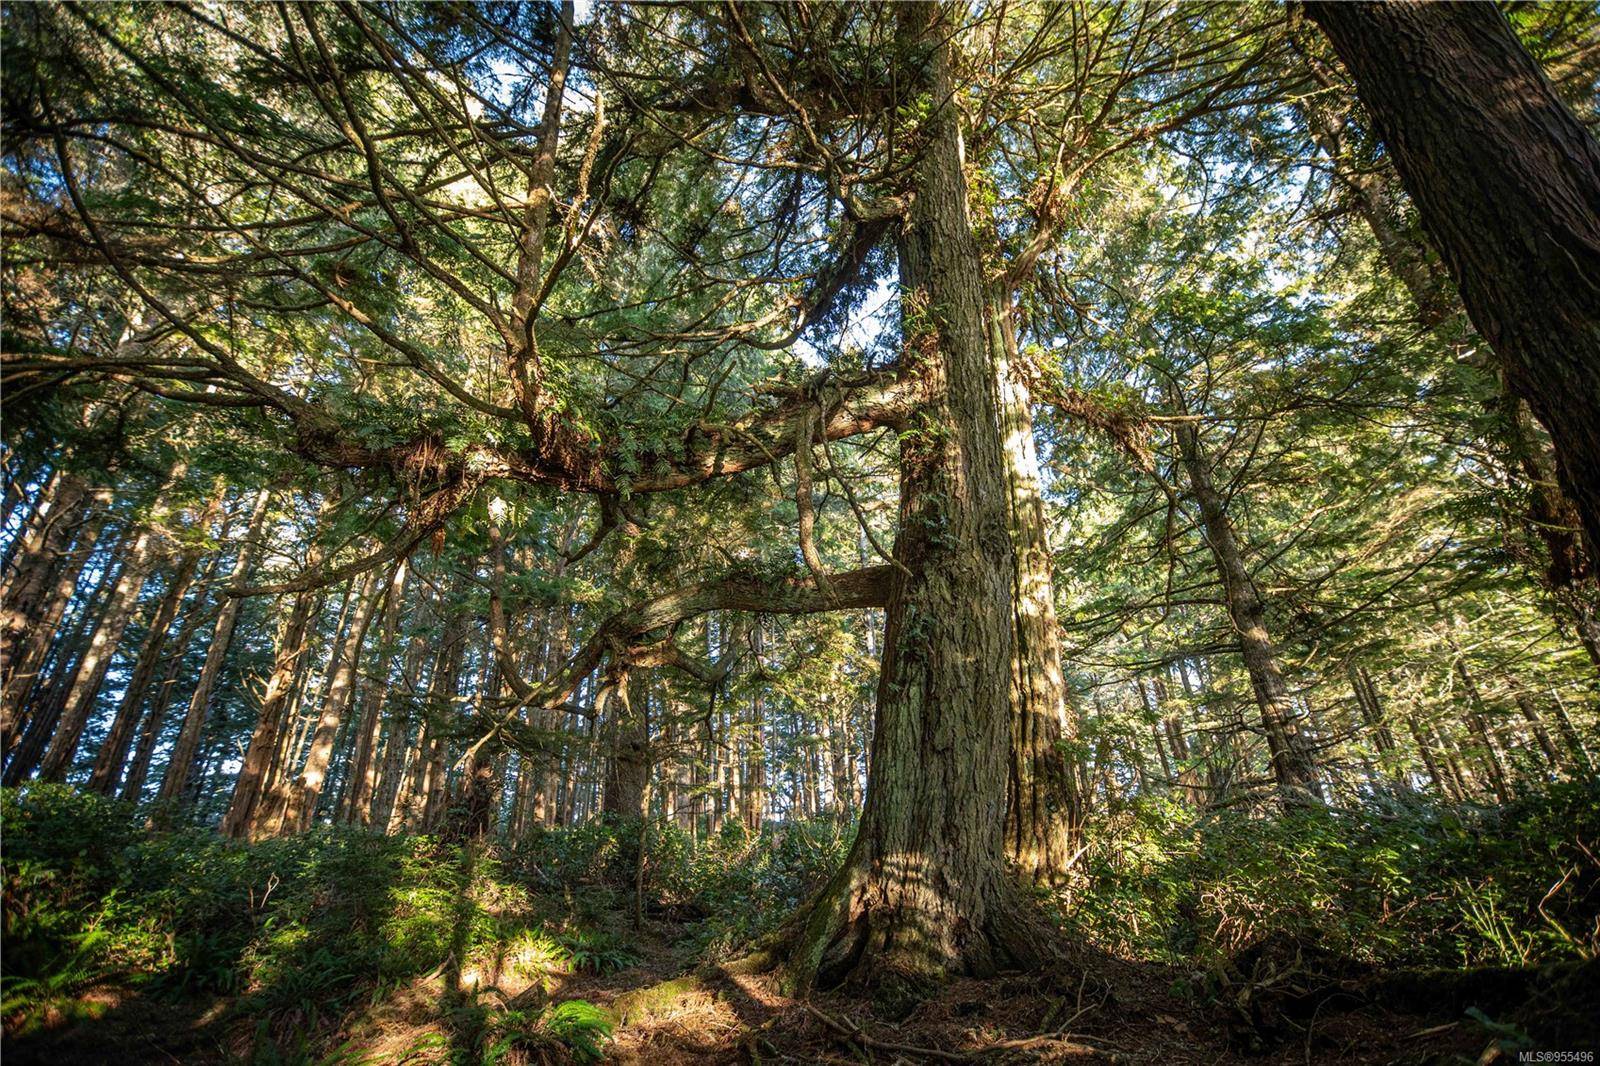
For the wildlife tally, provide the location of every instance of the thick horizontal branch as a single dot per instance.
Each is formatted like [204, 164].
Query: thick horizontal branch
[626, 636]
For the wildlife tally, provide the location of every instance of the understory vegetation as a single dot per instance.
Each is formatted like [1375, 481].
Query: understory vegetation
[304, 937]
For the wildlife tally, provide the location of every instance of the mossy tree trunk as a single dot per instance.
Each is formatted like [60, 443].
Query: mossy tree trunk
[1044, 810]
[924, 891]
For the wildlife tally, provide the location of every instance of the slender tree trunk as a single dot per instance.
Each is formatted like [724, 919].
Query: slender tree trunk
[34, 512]
[1370, 703]
[1376, 198]
[50, 699]
[425, 789]
[358, 796]
[24, 592]
[1292, 766]
[387, 793]
[1529, 711]
[1569, 736]
[1477, 719]
[300, 795]
[113, 621]
[27, 656]
[155, 721]
[188, 742]
[755, 750]
[1465, 784]
[114, 750]
[1452, 91]
[289, 729]
[1441, 784]
[473, 816]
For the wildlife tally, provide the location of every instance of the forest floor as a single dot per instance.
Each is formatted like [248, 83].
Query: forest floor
[1267, 942]
[670, 1010]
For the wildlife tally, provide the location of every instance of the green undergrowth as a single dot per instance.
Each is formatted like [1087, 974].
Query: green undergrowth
[1396, 883]
[303, 937]
[726, 889]
[302, 934]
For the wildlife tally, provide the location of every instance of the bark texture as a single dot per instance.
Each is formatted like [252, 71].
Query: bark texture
[1506, 181]
[1292, 767]
[1044, 810]
[924, 891]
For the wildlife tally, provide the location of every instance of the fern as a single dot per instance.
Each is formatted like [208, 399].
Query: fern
[580, 1025]
[598, 953]
[577, 1027]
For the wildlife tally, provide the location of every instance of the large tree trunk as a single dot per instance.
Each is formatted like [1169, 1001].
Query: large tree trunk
[1507, 183]
[1376, 195]
[1292, 766]
[1044, 812]
[924, 891]
[623, 699]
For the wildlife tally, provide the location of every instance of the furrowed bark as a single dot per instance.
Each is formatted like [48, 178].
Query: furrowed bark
[924, 891]
[1044, 810]
[1452, 92]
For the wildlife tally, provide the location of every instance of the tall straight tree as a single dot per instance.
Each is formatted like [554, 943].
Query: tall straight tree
[114, 749]
[1292, 766]
[188, 742]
